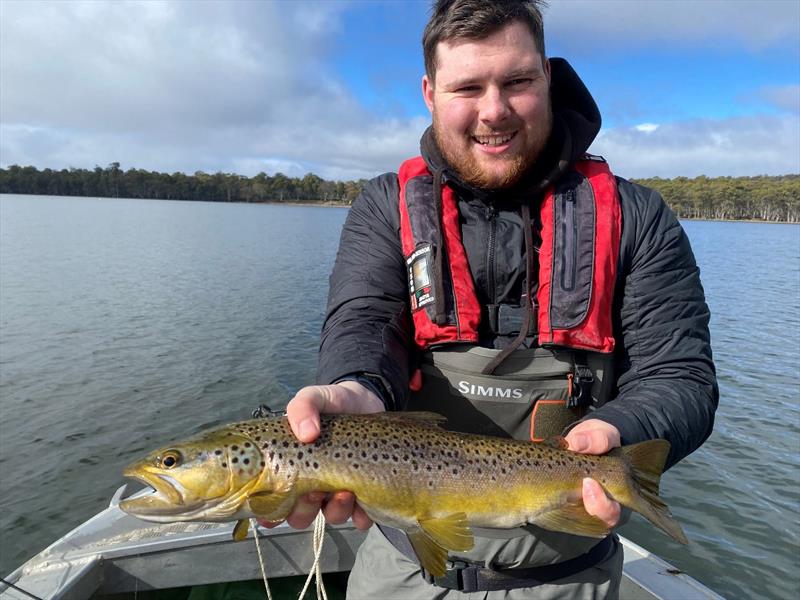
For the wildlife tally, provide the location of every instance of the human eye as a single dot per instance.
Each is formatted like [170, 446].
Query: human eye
[519, 83]
[469, 88]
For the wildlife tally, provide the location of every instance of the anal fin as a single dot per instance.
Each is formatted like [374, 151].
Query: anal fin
[451, 532]
[435, 537]
[431, 555]
[572, 518]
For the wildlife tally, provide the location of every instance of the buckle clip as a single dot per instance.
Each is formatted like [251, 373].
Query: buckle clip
[453, 576]
[582, 382]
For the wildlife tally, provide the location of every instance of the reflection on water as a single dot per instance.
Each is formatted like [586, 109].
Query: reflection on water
[126, 323]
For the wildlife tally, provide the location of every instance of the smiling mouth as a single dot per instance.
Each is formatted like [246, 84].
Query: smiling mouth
[494, 140]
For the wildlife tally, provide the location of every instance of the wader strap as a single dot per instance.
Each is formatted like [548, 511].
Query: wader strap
[470, 577]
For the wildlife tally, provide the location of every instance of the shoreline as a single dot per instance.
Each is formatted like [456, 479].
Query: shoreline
[335, 204]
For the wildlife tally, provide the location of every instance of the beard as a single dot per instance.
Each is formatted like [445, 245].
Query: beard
[506, 170]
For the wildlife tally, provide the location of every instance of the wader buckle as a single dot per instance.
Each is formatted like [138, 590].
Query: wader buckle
[582, 382]
[453, 577]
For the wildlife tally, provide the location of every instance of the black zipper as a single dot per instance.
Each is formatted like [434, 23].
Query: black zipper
[569, 229]
[491, 216]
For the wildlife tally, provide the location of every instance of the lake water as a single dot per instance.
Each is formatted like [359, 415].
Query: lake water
[124, 323]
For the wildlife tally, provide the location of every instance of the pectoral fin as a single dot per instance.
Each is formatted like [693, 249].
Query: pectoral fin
[240, 529]
[272, 506]
[572, 518]
[435, 537]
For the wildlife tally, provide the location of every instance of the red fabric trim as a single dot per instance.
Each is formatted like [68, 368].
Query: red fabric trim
[545, 268]
[596, 332]
[468, 311]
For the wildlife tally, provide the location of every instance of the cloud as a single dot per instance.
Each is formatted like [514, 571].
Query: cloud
[584, 25]
[745, 146]
[782, 97]
[214, 86]
[245, 87]
[646, 127]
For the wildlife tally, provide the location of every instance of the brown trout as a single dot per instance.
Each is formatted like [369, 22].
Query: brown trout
[405, 471]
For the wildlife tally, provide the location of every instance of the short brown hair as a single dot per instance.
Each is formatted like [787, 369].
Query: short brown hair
[477, 19]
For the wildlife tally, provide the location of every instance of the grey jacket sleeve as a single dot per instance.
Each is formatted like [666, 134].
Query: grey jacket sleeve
[367, 323]
[666, 382]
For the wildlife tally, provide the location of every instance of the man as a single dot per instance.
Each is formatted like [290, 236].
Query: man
[509, 281]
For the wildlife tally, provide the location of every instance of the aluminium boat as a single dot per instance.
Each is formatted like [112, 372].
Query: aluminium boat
[115, 555]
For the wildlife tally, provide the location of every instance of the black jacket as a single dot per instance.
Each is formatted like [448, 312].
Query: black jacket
[665, 387]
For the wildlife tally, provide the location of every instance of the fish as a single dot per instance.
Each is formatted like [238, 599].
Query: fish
[405, 470]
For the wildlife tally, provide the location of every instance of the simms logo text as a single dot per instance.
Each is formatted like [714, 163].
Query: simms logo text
[465, 387]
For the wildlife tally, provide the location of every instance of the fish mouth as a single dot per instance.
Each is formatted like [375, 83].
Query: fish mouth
[166, 499]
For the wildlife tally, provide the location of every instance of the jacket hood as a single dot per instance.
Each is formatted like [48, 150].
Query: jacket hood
[576, 122]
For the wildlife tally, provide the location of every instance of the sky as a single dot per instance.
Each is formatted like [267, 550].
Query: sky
[686, 88]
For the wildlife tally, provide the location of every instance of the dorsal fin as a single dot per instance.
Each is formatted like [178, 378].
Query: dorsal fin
[419, 416]
[556, 442]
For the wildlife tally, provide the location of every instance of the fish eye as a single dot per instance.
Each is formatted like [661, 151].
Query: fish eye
[170, 459]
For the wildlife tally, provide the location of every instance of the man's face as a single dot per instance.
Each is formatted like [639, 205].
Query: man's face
[491, 105]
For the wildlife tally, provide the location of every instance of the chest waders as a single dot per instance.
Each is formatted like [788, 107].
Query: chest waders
[529, 394]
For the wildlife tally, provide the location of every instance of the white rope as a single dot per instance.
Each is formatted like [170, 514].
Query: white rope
[316, 568]
[254, 525]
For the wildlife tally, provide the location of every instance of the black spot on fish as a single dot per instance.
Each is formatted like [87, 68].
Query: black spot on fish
[224, 464]
[299, 455]
[217, 452]
[246, 461]
[235, 460]
[234, 448]
[247, 444]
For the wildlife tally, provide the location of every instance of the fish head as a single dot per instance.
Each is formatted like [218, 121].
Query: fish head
[204, 478]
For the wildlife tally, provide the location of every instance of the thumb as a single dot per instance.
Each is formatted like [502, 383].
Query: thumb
[303, 412]
[590, 438]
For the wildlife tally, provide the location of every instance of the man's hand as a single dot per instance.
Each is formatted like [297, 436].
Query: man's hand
[594, 436]
[345, 397]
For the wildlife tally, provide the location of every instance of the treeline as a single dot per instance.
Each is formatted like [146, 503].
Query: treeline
[113, 182]
[763, 198]
[766, 198]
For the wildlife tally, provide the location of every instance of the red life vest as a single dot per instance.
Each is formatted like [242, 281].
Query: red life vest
[580, 237]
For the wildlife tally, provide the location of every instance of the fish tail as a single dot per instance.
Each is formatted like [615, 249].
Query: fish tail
[647, 461]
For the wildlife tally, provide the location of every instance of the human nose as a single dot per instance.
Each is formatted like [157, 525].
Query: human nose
[493, 106]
